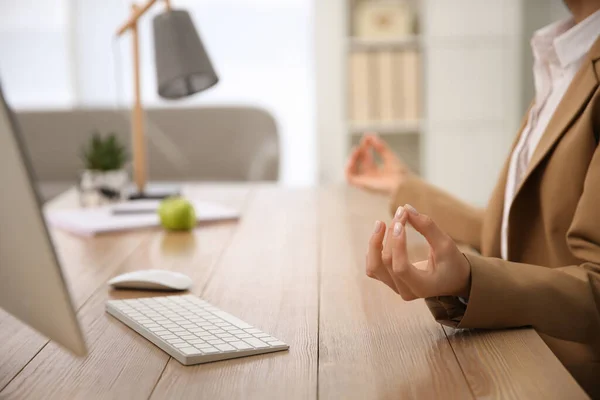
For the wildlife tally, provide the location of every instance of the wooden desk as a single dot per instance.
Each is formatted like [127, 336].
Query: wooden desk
[293, 266]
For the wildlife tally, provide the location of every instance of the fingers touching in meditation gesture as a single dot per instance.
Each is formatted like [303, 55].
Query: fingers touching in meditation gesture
[364, 172]
[446, 273]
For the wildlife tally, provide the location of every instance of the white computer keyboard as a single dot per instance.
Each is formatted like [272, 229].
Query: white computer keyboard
[191, 330]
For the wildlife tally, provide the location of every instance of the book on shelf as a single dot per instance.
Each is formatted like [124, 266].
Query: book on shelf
[411, 85]
[360, 88]
[385, 89]
[385, 86]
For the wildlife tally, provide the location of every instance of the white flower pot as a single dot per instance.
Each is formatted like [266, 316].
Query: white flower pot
[102, 187]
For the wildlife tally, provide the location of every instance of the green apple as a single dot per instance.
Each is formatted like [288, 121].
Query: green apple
[177, 214]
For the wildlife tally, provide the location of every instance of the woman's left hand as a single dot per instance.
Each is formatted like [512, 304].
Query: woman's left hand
[446, 273]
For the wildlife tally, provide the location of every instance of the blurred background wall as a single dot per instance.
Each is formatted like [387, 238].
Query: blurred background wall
[298, 59]
[63, 54]
[478, 85]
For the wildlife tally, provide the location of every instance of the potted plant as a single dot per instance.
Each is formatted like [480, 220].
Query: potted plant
[104, 179]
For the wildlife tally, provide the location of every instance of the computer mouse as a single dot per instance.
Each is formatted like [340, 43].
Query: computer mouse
[151, 279]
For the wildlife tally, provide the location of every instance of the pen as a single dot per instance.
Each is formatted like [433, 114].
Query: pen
[132, 211]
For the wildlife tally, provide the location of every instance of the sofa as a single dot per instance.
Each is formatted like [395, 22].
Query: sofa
[204, 144]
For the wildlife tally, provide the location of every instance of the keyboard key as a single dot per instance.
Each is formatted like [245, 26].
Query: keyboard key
[241, 345]
[256, 343]
[144, 321]
[231, 339]
[218, 332]
[235, 331]
[154, 327]
[216, 341]
[177, 330]
[170, 336]
[188, 337]
[223, 335]
[268, 339]
[231, 319]
[175, 341]
[277, 343]
[244, 336]
[188, 351]
[126, 312]
[207, 337]
[211, 350]
[196, 341]
[161, 332]
[196, 330]
[188, 326]
[224, 347]
[182, 344]
[253, 330]
[261, 335]
[203, 346]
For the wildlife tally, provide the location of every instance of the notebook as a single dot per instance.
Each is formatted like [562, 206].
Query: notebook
[127, 216]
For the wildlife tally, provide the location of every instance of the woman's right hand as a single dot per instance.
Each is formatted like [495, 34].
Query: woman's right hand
[363, 172]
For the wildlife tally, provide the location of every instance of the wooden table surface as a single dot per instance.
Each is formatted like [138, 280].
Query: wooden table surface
[293, 265]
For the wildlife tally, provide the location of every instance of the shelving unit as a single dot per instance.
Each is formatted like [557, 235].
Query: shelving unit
[383, 88]
[385, 127]
[476, 84]
[358, 43]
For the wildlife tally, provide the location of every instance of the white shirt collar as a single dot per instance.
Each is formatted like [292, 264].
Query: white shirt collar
[575, 43]
[564, 42]
[542, 42]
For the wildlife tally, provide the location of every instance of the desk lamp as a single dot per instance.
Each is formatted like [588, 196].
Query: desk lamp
[182, 69]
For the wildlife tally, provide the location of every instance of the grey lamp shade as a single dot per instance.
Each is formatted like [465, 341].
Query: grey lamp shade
[182, 64]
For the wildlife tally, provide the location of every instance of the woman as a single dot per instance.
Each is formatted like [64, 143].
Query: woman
[539, 237]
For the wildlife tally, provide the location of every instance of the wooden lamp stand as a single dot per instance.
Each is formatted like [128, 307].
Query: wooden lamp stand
[183, 68]
[138, 138]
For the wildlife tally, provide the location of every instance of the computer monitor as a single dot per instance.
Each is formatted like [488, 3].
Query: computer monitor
[32, 286]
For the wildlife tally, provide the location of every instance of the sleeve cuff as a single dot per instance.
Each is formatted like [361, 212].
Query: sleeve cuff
[447, 310]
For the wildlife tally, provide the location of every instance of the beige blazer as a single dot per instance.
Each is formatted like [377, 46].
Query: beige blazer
[553, 238]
